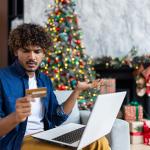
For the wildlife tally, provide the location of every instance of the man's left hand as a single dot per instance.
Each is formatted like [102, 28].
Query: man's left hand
[81, 86]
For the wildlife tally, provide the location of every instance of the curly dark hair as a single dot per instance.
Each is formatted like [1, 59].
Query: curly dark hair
[28, 34]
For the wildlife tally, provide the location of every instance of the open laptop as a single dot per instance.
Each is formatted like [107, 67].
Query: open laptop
[99, 124]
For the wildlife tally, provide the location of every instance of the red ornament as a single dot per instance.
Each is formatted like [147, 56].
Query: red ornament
[64, 1]
[56, 70]
[57, 28]
[78, 42]
[62, 87]
[78, 53]
[57, 12]
[81, 63]
[76, 20]
[46, 72]
[48, 60]
[56, 59]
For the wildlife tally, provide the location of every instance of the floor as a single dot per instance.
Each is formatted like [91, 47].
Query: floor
[140, 147]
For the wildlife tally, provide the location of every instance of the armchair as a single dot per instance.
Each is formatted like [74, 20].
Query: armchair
[119, 138]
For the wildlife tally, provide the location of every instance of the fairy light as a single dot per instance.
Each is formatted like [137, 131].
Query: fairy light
[68, 49]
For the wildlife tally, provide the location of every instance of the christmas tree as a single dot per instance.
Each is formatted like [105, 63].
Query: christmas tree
[66, 62]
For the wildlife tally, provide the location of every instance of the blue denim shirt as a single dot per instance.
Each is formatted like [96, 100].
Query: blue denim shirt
[13, 82]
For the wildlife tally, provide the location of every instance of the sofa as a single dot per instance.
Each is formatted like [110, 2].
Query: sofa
[119, 138]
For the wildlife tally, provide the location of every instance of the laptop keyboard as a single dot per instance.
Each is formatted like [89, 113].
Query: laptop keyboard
[70, 137]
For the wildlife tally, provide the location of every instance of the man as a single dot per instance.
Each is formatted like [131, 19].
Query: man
[22, 114]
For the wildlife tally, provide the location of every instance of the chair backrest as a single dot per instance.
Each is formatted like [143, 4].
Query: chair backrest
[74, 116]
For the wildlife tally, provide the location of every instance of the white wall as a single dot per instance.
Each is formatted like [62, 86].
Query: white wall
[110, 27]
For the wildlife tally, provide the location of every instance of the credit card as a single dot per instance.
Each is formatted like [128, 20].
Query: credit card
[36, 93]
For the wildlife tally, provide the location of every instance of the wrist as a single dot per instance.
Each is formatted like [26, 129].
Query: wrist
[15, 118]
[77, 90]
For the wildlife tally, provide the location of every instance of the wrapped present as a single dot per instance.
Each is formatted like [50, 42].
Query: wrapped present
[136, 132]
[146, 133]
[109, 86]
[133, 112]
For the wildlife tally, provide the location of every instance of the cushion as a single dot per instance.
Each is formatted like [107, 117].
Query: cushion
[119, 132]
[74, 116]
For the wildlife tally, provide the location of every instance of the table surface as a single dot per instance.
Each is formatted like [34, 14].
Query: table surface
[31, 143]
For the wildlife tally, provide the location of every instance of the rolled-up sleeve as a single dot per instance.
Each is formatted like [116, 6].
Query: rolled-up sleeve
[56, 114]
[60, 111]
[59, 116]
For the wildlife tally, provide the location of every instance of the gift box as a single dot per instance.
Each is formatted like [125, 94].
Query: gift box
[137, 132]
[133, 112]
[109, 86]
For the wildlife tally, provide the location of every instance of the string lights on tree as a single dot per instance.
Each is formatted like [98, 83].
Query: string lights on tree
[66, 61]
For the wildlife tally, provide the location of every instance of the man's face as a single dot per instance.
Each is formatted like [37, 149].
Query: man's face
[30, 57]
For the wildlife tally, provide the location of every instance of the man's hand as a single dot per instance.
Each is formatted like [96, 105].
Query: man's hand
[23, 108]
[81, 86]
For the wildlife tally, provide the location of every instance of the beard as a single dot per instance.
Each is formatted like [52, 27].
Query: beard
[30, 70]
[31, 66]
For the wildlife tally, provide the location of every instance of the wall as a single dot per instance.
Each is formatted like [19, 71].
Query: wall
[110, 27]
[3, 33]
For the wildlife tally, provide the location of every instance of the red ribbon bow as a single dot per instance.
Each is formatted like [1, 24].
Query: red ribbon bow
[146, 133]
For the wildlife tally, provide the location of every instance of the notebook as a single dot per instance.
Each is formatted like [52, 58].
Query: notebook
[99, 124]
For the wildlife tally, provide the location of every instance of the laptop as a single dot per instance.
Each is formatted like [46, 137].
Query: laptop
[99, 124]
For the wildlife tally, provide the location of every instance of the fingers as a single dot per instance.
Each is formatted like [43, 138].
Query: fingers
[23, 108]
[86, 79]
[25, 99]
[97, 83]
[85, 85]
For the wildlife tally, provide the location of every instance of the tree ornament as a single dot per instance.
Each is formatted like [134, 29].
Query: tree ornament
[78, 41]
[62, 87]
[73, 83]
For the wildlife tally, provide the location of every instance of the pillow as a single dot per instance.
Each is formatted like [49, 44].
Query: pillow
[74, 116]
